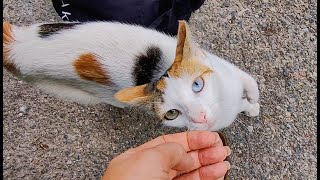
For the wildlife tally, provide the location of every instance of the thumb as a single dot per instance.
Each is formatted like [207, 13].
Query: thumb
[173, 156]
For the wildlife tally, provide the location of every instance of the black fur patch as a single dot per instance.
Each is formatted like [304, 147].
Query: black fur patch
[147, 65]
[46, 30]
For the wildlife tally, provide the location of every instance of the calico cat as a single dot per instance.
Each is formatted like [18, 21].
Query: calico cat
[121, 65]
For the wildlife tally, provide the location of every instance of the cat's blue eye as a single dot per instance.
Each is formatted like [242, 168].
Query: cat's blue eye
[197, 85]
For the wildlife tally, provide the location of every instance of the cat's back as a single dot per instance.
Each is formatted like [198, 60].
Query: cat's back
[116, 48]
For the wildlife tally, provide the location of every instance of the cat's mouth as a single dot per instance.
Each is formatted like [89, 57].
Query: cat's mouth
[206, 125]
[200, 123]
[199, 126]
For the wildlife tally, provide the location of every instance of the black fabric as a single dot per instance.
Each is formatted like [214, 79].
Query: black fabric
[162, 15]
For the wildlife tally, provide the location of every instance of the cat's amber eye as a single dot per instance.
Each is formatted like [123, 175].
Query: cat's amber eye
[171, 114]
[197, 85]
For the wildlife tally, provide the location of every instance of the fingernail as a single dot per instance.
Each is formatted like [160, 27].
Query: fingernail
[217, 137]
[228, 150]
[227, 164]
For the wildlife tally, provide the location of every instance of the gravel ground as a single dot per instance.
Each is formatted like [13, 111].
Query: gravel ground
[45, 138]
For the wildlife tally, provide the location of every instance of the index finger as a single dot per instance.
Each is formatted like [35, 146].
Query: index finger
[190, 140]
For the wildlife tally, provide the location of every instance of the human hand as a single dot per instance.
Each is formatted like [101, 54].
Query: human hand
[197, 155]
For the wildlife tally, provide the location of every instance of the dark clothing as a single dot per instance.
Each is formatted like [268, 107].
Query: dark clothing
[162, 15]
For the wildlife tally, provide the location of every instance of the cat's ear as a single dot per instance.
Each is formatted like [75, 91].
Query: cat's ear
[186, 48]
[133, 95]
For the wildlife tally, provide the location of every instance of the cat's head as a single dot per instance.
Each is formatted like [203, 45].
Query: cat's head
[184, 96]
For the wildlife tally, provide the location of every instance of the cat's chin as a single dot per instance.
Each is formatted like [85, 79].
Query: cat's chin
[204, 127]
[198, 126]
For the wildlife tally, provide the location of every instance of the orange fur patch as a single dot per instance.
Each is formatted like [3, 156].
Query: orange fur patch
[181, 38]
[184, 42]
[188, 67]
[7, 40]
[133, 94]
[161, 85]
[187, 55]
[89, 68]
[7, 33]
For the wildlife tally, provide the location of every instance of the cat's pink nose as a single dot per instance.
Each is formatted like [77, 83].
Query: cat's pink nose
[201, 119]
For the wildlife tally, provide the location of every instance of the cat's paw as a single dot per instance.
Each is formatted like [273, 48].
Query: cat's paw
[253, 97]
[252, 91]
[253, 111]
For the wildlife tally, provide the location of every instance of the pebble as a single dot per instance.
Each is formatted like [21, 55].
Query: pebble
[23, 110]
[21, 174]
[69, 162]
[67, 153]
[273, 9]
[69, 138]
[288, 114]
[285, 72]
[292, 100]
[290, 109]
[305, 30]
[250, 129]
[226, 3]
[308, 16]
[312, 38]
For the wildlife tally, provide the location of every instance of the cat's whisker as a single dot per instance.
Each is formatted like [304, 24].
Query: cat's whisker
[242, 123]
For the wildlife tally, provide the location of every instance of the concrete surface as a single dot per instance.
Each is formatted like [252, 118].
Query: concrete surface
[273, 40]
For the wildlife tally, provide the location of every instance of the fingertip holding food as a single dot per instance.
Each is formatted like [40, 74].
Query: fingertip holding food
[216, 139]
[227, 164]
[228, 150]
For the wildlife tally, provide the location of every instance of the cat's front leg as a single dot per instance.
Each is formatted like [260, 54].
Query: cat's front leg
[249, 109]
[250, 87]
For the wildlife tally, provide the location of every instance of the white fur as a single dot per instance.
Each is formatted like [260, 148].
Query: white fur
[117, 45]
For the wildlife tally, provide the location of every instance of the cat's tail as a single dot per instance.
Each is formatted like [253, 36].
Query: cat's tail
[8, 40]
[7, 33]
